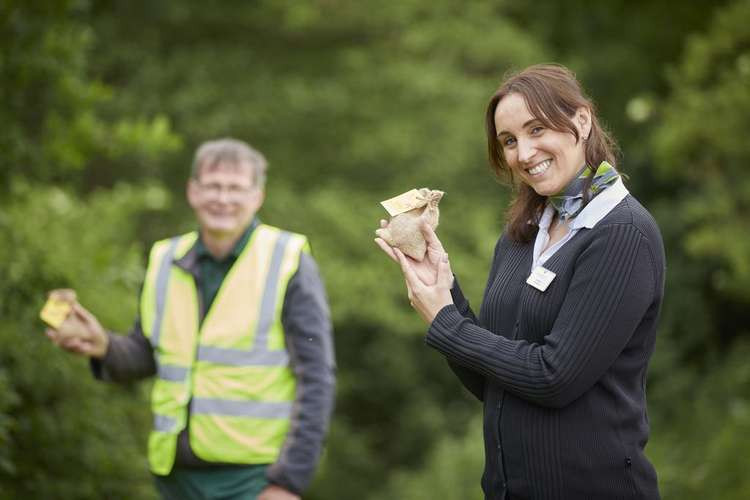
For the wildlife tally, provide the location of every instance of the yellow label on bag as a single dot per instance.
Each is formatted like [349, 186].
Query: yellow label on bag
[404, 202]
[55, 312]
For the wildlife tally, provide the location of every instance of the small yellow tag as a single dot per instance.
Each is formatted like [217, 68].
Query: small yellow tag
[55, 312]
[404, 202]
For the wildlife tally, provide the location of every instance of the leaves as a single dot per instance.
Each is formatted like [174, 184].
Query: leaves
[104, 103]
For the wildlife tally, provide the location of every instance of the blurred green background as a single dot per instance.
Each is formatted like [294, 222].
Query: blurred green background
[104, 102]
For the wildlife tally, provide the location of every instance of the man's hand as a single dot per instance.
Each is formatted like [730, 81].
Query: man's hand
[80, 333]
[273, 492]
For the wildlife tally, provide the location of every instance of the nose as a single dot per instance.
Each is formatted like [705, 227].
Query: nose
[223, 196]
[526, 150]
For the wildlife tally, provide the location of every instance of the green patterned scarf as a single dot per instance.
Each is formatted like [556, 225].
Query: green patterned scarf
[570, 201]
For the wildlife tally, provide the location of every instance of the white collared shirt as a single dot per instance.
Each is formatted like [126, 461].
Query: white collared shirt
[591, 214]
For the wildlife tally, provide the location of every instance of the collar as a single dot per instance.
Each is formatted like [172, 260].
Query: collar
[190, 261]
[592, 213]
[600, 206]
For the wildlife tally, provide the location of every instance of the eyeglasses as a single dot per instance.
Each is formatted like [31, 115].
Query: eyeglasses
[233, 192]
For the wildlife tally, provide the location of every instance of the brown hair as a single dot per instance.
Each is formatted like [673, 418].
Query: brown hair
[553, 95]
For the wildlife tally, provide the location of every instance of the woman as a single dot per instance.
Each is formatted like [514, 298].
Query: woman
[559, 351]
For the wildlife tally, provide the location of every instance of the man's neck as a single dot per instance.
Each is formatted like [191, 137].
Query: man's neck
[219, 245]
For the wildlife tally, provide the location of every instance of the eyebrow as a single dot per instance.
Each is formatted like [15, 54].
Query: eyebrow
[528, 122]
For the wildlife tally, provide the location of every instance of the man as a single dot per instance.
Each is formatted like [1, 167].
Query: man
[235, 326]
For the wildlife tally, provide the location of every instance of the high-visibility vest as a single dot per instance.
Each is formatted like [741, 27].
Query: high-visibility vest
[229, 374]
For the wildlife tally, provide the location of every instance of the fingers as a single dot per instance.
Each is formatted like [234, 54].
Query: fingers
[445, 275]
[383, 223]
[71, 344]
[386, 248]
[430, 236]
[77, 346]
[52, 334]
[64, 294]
[413, 282]
[84, 315]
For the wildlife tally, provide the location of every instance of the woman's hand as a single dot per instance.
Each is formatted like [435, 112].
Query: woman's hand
[428, 282]
[428, 300]
[426, 269]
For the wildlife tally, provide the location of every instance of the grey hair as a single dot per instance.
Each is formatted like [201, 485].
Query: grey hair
[234, 152]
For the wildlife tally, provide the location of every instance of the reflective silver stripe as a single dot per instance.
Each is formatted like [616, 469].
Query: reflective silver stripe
[259, 355]
[232, 408]
[173, 373]
[162, 280]
[268, 302]
[237, 357]
[163, 423]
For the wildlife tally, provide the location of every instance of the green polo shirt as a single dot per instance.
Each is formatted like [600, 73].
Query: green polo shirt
[212, 271]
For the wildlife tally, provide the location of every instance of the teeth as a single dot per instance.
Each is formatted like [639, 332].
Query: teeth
[542, 167]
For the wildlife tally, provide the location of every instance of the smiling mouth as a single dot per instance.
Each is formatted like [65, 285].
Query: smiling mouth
[539, 168]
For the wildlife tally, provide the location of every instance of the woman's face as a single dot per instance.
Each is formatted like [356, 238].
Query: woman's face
[545, 159]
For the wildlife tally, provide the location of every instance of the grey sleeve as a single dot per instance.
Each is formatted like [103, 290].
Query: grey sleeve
[309, 341]
[128, 357]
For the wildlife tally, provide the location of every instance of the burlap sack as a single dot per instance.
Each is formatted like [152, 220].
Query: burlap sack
[403, 230]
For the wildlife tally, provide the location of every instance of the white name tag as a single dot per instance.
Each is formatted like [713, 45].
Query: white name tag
[540, 278]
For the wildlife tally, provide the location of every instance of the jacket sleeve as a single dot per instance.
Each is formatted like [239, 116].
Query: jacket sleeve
[611, 290]
[309, 341]
[128, 358]
[472, 380]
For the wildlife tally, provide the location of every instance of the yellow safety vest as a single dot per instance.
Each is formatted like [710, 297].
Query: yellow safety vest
[233, 369]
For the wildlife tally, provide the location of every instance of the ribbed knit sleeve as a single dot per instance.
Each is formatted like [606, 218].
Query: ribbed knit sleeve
[611, 288]
[460, 301]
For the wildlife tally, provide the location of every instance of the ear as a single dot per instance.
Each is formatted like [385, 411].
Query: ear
[259, 198]
[582, 121]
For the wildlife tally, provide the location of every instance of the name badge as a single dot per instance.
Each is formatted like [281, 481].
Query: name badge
[540, 278]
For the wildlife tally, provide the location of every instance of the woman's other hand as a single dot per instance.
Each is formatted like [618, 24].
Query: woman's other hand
[427, 269]
[428, 282]
[426, 299]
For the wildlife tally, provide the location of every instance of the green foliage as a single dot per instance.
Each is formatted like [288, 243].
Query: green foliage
[700, 145]
[700, 376]
[103, 103]
[452, 470]
[54, 115]
[700, 451]
[62, 434]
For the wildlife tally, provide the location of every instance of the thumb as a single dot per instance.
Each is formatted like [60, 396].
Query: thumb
[444, 273]
[83, 314]
[94, 329]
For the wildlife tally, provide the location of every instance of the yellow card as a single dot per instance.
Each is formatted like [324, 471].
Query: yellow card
[55, 311]
[404, 202]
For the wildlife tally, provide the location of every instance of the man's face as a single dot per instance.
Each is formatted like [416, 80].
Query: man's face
[224, 199]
